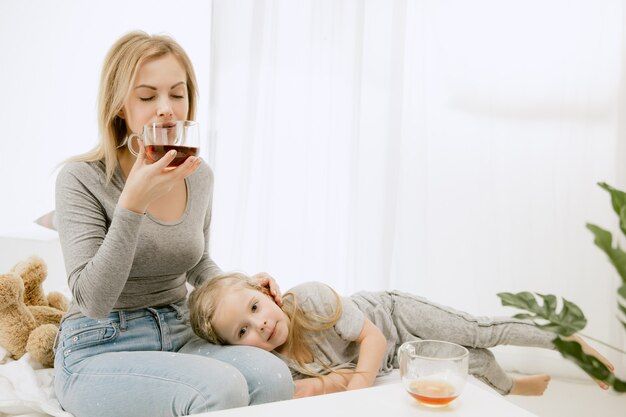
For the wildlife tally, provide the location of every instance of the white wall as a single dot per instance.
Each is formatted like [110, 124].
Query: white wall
[52, 53]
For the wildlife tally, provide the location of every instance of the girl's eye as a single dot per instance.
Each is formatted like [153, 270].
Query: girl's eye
[178, 97]
[255, 307]
[146, 98]
[242, 332]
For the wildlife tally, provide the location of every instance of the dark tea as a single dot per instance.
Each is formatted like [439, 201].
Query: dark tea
[433, 393]
[156, 152]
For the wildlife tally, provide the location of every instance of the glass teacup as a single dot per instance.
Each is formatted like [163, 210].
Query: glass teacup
[161, 137]
[433, 372]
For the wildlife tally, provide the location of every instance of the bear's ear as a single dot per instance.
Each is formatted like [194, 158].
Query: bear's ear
[33, 271]
[58, 301]
[11, 290]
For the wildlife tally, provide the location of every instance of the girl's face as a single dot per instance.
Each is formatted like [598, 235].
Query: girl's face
[245, 316]
[158, 95]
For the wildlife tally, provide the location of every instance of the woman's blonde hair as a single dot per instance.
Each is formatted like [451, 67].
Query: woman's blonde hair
[304, 326]
[118, 75]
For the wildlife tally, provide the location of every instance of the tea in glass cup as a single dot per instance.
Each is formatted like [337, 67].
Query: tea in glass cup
[432, 371]
[161, 137]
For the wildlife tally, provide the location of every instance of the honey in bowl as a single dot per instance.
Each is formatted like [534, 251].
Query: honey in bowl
[433, 371]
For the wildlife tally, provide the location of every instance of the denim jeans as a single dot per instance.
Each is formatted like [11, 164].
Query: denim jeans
[148, 362]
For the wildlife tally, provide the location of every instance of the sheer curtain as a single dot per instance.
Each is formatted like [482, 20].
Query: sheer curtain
[446, 148]
[48, 99]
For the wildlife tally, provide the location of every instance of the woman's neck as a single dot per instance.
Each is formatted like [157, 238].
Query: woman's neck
[126, 161]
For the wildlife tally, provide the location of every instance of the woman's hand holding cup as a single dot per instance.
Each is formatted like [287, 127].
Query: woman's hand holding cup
[147, 181]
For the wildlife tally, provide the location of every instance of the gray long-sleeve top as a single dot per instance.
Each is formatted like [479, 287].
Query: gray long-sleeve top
[117, 259]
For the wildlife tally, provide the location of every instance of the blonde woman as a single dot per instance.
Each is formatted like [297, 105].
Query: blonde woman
[132, 235]
[334, 343]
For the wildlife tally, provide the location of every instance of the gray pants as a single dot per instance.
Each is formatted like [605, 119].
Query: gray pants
[418, 318]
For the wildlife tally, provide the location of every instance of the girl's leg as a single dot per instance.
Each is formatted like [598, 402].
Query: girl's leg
[483, 365]
[268, 378]
[417, 317]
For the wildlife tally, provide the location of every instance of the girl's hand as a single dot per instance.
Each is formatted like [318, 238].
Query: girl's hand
[266, 280]
[307, 387]
[147, 181]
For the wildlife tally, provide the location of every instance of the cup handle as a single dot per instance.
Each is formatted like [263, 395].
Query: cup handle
[129, 143]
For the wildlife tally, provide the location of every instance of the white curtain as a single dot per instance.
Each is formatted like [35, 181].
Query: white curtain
[446, 148]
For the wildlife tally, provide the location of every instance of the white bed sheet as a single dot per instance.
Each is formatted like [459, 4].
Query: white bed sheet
[26, 388]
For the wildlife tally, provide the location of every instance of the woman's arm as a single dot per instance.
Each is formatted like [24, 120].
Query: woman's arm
[371, 353]
[98, 256]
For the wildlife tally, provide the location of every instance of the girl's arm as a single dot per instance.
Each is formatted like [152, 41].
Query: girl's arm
[334, 382]
[371, 352]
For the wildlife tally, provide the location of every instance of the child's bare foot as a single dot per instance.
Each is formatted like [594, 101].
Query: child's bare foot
[530, 385]
[591, 351]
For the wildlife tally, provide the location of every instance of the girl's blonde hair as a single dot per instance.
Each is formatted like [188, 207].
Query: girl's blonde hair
[118, 76]
[303, 326]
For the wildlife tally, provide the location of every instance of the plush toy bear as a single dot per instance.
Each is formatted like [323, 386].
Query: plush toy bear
[29, 320]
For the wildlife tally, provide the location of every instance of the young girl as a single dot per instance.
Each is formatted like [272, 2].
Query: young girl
[345, 342]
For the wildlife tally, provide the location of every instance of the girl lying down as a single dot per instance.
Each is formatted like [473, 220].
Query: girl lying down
[334, 343]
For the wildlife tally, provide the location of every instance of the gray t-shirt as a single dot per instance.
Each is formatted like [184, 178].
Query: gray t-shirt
[336, 347]
[117, 259]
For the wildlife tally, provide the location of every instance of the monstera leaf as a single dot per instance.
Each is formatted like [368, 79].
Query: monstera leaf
[604, 240]
[618, 201]
[568, 321]
[590, 364]
[621, 304]
[565, 323]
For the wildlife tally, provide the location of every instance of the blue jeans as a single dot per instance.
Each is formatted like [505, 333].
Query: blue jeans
[148, 362]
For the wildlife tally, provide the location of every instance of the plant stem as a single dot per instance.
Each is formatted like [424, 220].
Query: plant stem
[603, 343]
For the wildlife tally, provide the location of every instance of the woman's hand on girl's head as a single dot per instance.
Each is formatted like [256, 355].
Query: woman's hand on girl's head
[266, 280]
[148, 181]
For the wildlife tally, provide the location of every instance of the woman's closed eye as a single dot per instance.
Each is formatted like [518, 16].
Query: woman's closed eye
[173, 96]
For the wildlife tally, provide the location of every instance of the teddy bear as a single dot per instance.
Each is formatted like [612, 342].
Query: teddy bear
[29, 320]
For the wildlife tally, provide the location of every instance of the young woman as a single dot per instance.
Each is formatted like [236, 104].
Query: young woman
[132, 234]
[344, 343]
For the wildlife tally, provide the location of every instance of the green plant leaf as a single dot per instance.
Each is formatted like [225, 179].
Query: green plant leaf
[523, 300]
[622, 220]
[618, 201]
[621, 303]
[549, 303]
[618, 198]
[524, 316]
[568, 321]
[590, 364]
[604, 240]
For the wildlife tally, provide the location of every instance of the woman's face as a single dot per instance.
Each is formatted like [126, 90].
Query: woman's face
[158, 95]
